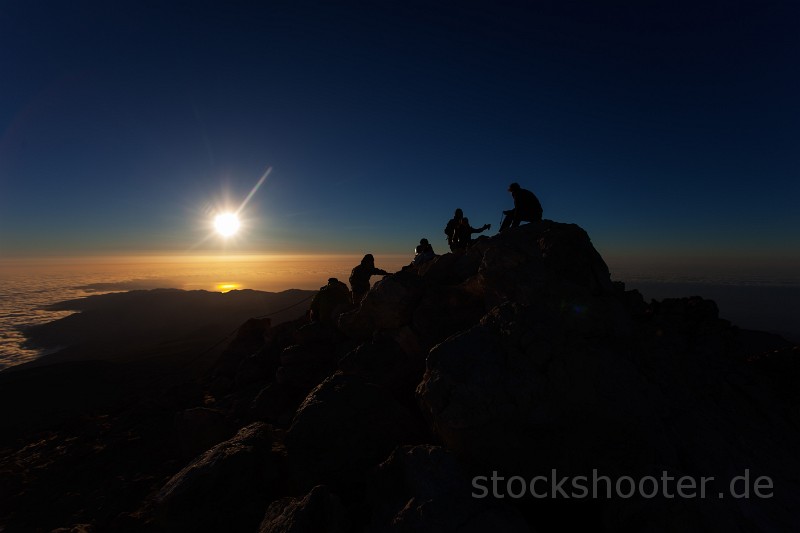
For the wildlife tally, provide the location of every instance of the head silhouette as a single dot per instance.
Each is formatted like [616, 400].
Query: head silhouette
[514, 187]
[367, 259]
[423, 241]
[459, 214]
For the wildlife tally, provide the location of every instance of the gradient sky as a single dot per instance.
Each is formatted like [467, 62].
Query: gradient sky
[665, 129]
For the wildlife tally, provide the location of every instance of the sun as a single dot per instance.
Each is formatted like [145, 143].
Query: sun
[226, 224]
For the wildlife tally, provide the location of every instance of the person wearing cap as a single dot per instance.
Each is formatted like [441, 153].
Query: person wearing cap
[359, 277]
[526, 208]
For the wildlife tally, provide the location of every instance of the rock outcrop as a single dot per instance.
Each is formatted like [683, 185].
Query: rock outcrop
[224, 488]
[345, 427]
[319, 511]
[426, 489]
[518, 358]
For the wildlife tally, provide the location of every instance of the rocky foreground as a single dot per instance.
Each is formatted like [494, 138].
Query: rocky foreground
[519, 357]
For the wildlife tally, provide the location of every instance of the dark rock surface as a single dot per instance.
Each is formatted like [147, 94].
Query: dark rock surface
[343, 428]
[516, 357]
[318, 511]
[226, 487]
[425, 488]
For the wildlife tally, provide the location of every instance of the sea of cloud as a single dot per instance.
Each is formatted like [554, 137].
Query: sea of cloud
[28, 287]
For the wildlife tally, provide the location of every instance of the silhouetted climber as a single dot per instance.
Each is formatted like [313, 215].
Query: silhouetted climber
[359, 277]
[526, 208]
[463, 234]
[450, 229]
[423, 252]
[330, 301]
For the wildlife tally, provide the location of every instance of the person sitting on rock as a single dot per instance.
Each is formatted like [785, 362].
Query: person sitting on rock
[359, 277]
[526, 208]
[463, 234]
[330, 302]
[450, 229]
[423, 252]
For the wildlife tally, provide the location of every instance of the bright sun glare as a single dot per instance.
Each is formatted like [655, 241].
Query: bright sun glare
[226, 224]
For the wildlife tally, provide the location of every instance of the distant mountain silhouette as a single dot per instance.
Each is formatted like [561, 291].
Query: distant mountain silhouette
[517, 357]
[129, 325]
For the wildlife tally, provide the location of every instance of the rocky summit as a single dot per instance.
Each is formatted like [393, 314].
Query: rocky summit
[512, 386]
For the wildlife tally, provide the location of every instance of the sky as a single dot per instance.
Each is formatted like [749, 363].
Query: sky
[667, 130]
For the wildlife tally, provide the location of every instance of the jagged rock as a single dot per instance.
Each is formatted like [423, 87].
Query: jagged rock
[313, 354]
[276, 403]
[198, 429]
[225, 488]
[444, 311]
[304, 366]
[634, 303]
[569, 255]
[345, 427]
[315, 333]
[254, 368]
[424, 489]
[538, 362]
[77, 528]
[681, 325]
[531, 390]
[319, 511]
[250, 337]
[394, 361]
[551, 256]
[387, 306]
[452, 268]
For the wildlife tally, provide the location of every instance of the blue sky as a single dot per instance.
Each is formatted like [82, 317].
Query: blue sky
[665, 129]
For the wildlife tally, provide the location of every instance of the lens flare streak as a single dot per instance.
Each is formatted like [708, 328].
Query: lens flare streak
[261, 180]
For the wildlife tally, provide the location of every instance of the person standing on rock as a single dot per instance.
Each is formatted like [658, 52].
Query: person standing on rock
[450, 229]
[359, 277]
[526, 208]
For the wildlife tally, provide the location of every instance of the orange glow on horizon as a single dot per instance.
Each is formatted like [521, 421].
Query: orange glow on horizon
[217, 273]
[227, 287]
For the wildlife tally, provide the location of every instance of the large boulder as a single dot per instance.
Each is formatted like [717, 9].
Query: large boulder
[250, 338]
[425, 489]
[523, 380]
[345, 427]
[225, 488]
[319, 511]
[387, 306]
[198, 429]
[446, 310]
[452, 268]
[305, 366]
[276, 403]
[531, 390]
[393, 360]
[545, 256]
